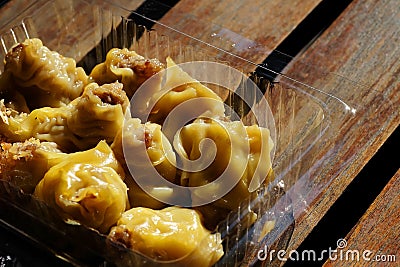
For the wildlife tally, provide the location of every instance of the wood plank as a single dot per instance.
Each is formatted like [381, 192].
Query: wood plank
[247, 28]
[15, 7]
[12, 9]
[362, 45]
[377, 231]
[77, 32]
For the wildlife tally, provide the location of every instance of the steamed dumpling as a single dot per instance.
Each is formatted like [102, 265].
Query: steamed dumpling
[45, 124]
[127, 67]
[242, 157]
[134, 137]
[86, 187]
[96, 115]
[144, 148]
[180, 87]
[25, 163]
[44, 77]
[168, 235]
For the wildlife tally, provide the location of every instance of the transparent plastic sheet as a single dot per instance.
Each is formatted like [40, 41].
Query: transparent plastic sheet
[301, 113]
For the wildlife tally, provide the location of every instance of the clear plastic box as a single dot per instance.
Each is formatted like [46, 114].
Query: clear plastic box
[302, 115]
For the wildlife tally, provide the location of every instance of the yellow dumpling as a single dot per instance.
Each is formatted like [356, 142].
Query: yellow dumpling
[96, 115]
[25, 163]
[86, 187]
[169, 234]
[180, 87]
[127, 67]
[134, 137]
[45, 124]
[242, 156]
[44, 77]
[141, 148]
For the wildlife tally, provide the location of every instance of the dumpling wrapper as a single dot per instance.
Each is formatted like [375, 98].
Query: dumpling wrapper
[86, 187]
[242, 156]
[127, 67]
[142, 148]
[178, 88]
[44, 77]
[25, 163]
[169, 234]
[97, 114]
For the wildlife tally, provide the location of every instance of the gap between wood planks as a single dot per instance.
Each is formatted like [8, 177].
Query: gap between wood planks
[3, 2]
[303, 36]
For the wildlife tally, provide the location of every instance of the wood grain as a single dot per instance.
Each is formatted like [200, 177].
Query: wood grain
[71, 28]
[377, 231]
[247, 28]
[11, 9]
[362, 44]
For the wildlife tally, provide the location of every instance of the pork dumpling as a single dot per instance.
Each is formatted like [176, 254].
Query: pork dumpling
[171, 234]
[45, 124]
[144, 150]
[242, 158]
[178, 88]
[25, 163]
[86, 187]
[127, 67]
[134, 136]
[45, 77]
[98, 114]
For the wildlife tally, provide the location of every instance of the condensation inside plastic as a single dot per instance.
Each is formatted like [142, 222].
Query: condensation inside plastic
[302, 115]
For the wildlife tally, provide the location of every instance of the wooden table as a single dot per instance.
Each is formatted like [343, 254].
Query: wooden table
[377, 231]
[359, 42]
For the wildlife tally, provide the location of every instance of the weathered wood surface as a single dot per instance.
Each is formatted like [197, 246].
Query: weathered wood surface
[12, 9]
[378, 231]
[250, 29]
[70, 28]
[362, 44]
